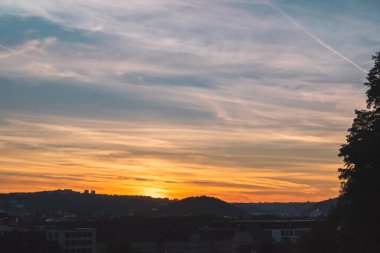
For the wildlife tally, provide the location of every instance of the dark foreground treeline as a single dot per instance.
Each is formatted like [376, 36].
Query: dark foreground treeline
[353, 225]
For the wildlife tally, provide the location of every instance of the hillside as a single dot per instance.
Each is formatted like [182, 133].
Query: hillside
[322, 208]
[291, 209]
[78, 203]
[202, 206]
[61, 202]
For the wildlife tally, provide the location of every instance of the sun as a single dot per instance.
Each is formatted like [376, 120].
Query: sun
[154, 192]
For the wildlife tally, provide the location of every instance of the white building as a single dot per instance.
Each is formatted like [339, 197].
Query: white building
[75, 240]
[282, 230]
[288, 234]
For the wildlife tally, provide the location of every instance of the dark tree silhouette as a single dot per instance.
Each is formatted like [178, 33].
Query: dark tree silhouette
[360, 191]
[354, 224]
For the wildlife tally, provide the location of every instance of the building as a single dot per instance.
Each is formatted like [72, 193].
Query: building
[4, 230]
[75, 240]
[282, 230]
[206, 240]
[145, 247]
[288, 234]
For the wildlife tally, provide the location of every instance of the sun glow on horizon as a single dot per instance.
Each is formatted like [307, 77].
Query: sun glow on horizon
[154, 192]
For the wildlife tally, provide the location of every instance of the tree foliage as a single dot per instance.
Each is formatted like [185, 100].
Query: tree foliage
[354, 224]
[360, 191]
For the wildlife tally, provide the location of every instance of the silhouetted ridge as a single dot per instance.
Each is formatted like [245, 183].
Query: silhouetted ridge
[323, 207]
[291, 209]
[202, 205]
[79, 203]
[88, 204]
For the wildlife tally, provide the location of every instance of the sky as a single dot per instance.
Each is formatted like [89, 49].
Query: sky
[244, 100]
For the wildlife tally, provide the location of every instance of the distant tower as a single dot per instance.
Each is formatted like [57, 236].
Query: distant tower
[85, 192]
[93, 192]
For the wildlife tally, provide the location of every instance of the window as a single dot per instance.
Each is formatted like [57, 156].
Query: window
[300, 232]
[287, 233]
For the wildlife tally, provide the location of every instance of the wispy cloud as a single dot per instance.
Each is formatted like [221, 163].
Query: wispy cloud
[29, 46]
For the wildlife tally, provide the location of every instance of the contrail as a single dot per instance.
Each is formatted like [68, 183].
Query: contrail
[315, 38]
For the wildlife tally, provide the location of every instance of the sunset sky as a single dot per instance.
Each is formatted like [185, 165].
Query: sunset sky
[244, 100]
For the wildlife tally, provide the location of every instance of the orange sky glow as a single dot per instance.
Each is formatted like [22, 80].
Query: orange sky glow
[173, 163]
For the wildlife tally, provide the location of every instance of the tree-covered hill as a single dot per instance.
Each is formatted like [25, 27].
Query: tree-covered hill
[79, 203]
[202, 206]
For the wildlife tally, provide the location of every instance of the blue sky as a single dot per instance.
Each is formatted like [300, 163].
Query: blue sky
[249, 98]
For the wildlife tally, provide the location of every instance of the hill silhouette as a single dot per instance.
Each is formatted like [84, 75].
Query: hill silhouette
[291, 209]
[86, 204]
[202, 205]
[79, 203]
[323, 207]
